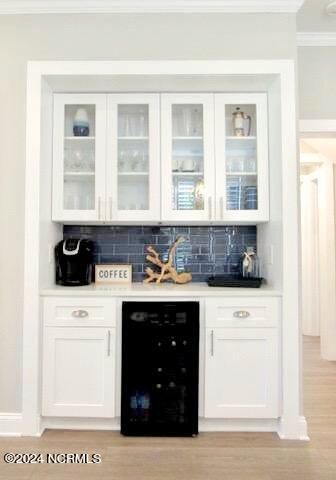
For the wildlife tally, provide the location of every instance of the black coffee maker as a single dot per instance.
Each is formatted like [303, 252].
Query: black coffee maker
[74, 259]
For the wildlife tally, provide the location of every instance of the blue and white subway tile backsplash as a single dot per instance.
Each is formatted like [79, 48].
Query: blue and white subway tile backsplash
[206, 250]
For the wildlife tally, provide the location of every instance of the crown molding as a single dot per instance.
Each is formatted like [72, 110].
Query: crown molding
[316, 39]
[331, 8]
[17, 7]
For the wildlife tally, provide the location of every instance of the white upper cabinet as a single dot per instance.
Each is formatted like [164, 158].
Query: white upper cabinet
[187, 156]
[241, 142]
[133, 158]
[197, 158]
[79, 151]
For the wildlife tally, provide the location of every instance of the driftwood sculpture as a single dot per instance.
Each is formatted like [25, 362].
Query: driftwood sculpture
[167, 272]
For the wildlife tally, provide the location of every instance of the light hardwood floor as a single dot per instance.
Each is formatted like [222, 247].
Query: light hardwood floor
[211, 456]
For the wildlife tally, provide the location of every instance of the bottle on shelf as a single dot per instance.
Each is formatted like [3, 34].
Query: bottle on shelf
[239, 123]
[81, 126]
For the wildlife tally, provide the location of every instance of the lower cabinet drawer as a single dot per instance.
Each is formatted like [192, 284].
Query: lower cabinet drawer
[242, 312]
[79, 312]
[79, 372]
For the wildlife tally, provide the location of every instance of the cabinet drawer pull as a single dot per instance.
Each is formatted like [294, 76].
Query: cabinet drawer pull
[212, 343]
[80, 313]
[241, 314]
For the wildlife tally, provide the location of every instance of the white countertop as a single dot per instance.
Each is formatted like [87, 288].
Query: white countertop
[192, 289]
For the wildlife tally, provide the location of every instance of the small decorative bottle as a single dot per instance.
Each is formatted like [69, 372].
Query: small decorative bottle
[81, 126]
[250, 265]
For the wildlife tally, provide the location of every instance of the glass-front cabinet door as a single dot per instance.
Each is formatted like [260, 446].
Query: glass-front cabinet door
[241, 140]
[79, 157]
[187, 156]
[133, 158]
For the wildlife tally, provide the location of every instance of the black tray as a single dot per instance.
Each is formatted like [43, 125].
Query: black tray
[230, 281]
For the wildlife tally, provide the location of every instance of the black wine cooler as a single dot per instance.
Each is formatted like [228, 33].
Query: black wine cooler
[160, 357]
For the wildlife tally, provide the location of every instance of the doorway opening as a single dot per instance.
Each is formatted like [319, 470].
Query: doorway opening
[318, 249]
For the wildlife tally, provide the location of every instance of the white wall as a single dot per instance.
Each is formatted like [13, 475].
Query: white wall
[95, 37]
[317, 86]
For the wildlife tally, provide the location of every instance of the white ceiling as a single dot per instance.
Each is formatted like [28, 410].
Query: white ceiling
[325, 146]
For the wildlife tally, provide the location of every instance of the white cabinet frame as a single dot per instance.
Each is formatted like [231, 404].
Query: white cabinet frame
[112, 212]
[168, 213]
[39, 92]
[59, 213]
[260, 101]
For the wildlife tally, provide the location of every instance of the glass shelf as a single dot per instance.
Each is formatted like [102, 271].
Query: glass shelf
[81, 138]
[79, 174]
[132, 174]
[241, 174]
[132, 138]
[187, 138]
[188, 174]
[237, 138]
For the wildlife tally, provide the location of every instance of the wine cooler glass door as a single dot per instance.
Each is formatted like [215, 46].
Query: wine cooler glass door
[160, 368]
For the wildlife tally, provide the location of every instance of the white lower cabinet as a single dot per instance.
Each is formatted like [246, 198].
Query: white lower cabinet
[81, 348]
[78, 363]
[242, 362]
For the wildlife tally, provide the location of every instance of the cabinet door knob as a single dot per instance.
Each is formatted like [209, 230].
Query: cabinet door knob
[80, 313]
[241, 314]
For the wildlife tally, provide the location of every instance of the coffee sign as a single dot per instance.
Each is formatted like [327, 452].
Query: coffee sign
[113, 273]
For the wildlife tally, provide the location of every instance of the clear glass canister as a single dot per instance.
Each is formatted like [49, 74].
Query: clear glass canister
[250, 264]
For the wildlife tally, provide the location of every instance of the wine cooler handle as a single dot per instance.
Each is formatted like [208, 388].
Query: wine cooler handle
[212, 343]
[108, 343]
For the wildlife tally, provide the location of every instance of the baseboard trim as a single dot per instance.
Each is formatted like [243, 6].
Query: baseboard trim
[238, 425]
[10, 424]
[73, 423]
[293, 429]
[205, 424]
